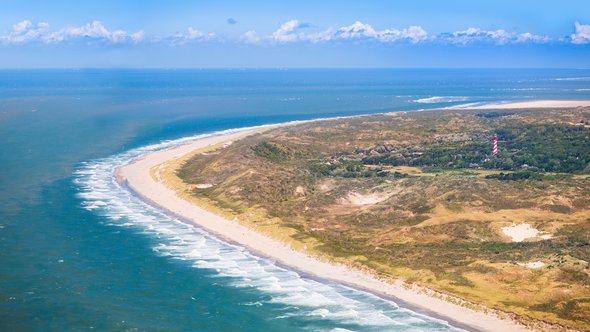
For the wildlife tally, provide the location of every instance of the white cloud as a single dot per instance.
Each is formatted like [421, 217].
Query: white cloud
[582, 35]
[26, 31]
[288, 32]
[322, 36]
[529, 37]
[191, 34]
[414, 34]
[251, 37]
[94, 30]
[357, 30]
[292, 31]
[500, 37]
[360, 30]
[137, 36]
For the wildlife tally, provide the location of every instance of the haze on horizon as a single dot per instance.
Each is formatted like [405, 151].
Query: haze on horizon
[344, 34]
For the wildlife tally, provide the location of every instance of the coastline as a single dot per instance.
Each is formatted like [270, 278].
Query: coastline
[142, 177]
[137, 177]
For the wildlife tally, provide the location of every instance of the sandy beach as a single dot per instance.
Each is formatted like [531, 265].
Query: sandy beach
[536, 104]
[136, 176]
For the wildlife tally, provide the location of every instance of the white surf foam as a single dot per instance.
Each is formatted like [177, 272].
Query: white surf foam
[465, 106]
[520, 89]
[573, 79]
[234, 265]
[441, 99]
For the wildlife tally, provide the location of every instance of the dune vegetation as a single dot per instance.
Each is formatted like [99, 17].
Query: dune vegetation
[418, 196]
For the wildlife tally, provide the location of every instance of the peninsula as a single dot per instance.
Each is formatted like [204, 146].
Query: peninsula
[411, 205]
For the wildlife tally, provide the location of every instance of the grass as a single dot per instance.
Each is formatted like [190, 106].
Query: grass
[439, 226]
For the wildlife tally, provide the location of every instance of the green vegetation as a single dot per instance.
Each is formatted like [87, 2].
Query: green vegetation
[418, 196]
[351, 169]
[272, 151]
[547, 147]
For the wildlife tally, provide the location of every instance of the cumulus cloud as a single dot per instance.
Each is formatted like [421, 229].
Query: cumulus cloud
[190, 35]
[94, 30]
[500, 37]
[357, 30]
[293, 31]
[360, 30]
[137, 36]
[289, 31]
[414, 34]
[27, 31]
[582, 34]
[251, 37]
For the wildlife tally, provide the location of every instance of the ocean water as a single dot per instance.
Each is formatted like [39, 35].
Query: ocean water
[78, 252]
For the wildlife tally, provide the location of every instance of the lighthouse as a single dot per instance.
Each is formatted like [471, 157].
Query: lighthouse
[495, 148]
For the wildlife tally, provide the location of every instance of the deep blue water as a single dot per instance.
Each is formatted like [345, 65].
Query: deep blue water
[77, 252]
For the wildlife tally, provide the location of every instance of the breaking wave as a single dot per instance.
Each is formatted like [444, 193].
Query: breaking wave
[573, 79]
[441, 99]
[319, 303]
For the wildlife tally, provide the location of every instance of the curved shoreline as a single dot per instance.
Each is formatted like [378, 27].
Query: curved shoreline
[308, 275]
[136, 176]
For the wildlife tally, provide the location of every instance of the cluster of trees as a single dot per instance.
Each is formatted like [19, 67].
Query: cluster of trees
[516, 176]
[491, 115]
[547, 147]
[273, 151]
[352, 169]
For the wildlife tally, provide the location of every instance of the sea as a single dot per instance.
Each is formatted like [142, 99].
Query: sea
[78, 252]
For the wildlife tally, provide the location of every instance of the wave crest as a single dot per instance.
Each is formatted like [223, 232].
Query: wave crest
[441, 99]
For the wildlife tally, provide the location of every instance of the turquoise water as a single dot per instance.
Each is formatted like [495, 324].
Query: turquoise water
[78, 252]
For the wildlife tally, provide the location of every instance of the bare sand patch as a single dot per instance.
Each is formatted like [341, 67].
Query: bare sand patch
[356, 198]
[300, 191]
[521, 232]
[203, 185]
[533, 265]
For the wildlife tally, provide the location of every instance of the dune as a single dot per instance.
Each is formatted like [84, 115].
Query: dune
[137, 177]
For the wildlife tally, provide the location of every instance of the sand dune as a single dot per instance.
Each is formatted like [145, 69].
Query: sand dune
[137, 176]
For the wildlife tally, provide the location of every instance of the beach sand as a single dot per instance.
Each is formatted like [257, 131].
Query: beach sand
[136, 176]
[536, 104]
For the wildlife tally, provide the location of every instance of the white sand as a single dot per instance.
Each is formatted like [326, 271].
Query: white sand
[137, 175]
[533, 265]
[521, 232]
[536, 104]
[356, 198]
[203, 185]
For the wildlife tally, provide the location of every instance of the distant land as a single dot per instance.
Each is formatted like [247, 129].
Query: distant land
[411, 197]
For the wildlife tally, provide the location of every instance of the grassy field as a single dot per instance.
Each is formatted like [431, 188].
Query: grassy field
[418, 196]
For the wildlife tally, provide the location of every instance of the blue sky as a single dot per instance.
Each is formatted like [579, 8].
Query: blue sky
[202, 34]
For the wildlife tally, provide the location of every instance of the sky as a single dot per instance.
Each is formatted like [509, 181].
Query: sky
[294, 34]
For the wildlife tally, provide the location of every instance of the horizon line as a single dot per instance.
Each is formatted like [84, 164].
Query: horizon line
[278, 68]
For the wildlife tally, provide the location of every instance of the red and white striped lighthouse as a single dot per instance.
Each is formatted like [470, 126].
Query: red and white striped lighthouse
[495, 149]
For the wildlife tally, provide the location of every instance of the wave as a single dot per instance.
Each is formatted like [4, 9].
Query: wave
[467, 105]
[520, 89]
[315, 302]
[441, 99]
[587, 78]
